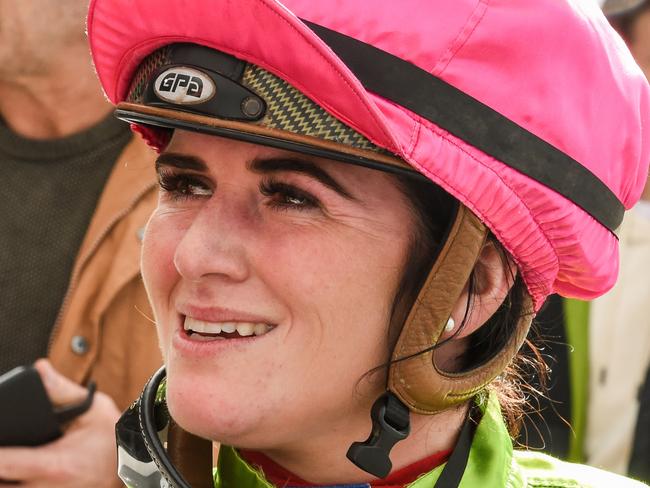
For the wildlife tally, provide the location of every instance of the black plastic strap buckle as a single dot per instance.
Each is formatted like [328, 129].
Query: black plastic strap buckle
[390, 424]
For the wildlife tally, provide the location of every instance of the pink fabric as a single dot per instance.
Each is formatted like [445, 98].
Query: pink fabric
[553, 66]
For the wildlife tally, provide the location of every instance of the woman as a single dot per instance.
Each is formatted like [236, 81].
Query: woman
[361, 209]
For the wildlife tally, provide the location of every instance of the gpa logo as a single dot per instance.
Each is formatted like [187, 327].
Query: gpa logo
[184, 86]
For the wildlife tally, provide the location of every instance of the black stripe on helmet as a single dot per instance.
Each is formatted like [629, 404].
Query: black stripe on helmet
[474, 122]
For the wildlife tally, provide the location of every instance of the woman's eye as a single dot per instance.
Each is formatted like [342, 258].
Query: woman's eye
[284, 196]
[183, 186]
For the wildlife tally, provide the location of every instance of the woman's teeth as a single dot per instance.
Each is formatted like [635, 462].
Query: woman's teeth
[224, 329]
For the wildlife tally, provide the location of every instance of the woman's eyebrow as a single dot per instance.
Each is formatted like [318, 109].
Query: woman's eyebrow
[269, 165]
[181, 161]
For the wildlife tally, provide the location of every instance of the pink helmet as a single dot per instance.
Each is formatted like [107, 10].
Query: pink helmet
[531, 113]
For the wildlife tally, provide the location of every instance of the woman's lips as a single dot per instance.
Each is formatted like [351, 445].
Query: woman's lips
[204, 330]
[203, 324]
[219, 314]
[190, 343]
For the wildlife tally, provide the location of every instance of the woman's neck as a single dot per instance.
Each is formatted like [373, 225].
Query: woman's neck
[323, 460]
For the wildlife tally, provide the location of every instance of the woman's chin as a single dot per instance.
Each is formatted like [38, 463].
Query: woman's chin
[222, 418]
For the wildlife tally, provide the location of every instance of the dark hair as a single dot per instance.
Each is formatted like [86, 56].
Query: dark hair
[434, 209]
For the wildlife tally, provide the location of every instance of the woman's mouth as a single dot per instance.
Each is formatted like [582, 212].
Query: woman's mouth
[201, 330]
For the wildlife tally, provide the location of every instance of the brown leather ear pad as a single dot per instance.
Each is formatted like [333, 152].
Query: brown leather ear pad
[416, 380]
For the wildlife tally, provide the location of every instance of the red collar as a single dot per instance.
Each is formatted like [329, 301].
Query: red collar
[279, 476]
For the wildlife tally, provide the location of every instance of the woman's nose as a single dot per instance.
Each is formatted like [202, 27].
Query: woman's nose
[214, 245]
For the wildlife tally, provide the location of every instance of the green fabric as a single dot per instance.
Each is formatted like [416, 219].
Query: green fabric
[492, 464]
[491, 451]
[576, 319]
[233, 471]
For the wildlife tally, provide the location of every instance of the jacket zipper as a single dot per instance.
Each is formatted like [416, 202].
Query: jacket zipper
[75, 276]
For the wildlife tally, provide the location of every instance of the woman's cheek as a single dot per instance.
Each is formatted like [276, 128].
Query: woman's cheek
[158, 271]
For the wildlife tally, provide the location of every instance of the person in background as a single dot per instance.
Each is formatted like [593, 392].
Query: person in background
[76, 190]
[600, 374]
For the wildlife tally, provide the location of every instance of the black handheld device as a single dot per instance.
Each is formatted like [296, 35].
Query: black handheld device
[27, 416]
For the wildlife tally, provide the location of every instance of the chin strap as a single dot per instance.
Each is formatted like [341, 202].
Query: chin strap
[390, 424]
[192, 456]
[414, 381]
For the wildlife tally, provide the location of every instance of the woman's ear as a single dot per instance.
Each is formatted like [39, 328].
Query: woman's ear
[494, 275]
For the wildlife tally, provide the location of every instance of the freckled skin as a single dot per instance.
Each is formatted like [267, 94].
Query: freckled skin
[325, 276]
